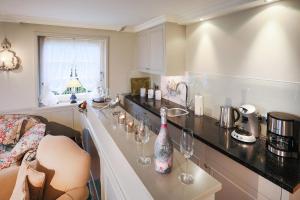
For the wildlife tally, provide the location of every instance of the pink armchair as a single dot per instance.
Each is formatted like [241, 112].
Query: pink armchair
[66, 167]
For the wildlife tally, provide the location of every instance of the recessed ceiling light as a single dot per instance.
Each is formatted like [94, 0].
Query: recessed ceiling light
[201, 19]
[268, 1]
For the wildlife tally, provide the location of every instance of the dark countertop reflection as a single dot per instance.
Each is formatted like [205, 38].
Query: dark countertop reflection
[283, 172]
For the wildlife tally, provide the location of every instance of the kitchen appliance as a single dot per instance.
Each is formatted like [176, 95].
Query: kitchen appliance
[283, 134]
[228, 117]
[249, 128]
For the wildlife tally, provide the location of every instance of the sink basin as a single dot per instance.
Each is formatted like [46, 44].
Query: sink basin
[176, 112]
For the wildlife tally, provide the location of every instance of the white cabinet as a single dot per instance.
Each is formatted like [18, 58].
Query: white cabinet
[238, 182]
[288, 196]
[156, 54]
[110, 189]
[143, 51]
[161, 50]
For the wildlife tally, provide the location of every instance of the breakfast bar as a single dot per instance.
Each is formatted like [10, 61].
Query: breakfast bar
[122, 177]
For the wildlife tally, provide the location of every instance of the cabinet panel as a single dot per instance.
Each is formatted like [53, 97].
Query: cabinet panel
[143, 51]
[229, 189]
[288, 196]
[161, 50]
[157, 45]
[251, 184]
[111, 189]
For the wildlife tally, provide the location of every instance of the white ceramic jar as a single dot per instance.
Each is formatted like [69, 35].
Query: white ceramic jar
[150, 94]
[158, 95]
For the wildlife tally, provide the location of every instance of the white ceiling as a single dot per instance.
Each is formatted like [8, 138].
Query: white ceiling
[114, 14]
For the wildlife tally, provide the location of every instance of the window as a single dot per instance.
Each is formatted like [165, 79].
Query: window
[69, 65]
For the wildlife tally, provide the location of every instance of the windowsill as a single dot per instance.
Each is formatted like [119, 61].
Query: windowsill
[60, 105]
[64, 101]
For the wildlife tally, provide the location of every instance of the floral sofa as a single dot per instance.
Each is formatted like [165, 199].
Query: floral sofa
[18, 135]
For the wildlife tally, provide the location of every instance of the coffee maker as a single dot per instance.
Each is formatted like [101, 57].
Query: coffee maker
[249, 128]
[283, 134]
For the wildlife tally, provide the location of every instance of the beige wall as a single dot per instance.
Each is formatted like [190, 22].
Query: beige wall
[249, 57]
[263, 42]
[19, 89]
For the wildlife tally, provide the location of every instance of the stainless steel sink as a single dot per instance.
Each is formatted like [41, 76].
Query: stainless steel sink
[176, 112]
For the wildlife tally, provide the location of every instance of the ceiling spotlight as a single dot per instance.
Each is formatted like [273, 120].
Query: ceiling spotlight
[268, 1]
[201, 19]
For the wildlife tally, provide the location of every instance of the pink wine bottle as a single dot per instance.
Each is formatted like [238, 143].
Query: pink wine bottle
[163, 147]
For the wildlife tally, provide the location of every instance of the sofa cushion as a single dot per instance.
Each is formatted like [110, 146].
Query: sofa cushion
[21, 190]
[13, 126]
[30, 182]
[10, 128]
[29, 141]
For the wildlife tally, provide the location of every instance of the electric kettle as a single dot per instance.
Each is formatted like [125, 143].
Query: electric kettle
[228, 117]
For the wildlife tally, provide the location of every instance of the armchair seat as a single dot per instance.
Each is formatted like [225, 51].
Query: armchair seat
[66, 167]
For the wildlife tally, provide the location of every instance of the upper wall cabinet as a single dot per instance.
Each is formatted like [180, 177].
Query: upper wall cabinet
[161, 50]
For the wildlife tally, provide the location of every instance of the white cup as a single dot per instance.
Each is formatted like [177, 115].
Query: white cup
[143, 92]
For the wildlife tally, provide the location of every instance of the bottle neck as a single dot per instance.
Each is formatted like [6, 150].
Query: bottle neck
[163, 121]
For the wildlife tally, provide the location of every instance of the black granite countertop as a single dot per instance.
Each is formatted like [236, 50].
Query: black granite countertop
[283, 172]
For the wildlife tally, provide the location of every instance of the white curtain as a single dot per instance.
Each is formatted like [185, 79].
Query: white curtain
[58, 56]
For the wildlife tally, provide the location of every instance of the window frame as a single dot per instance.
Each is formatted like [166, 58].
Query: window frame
[105, 40]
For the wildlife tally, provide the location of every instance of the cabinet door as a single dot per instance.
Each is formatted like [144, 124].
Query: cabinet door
[110, 188]
[248, 186]
[143, 51]
[157, 49]
[229, 189]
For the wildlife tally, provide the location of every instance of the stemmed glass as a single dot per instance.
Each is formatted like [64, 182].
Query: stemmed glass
[143, 134]
[186, 148]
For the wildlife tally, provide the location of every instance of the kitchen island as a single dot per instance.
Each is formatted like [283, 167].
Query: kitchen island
[122, 177]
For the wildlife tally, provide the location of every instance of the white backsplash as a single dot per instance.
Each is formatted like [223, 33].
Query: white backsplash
[266, 95]
[169, 82]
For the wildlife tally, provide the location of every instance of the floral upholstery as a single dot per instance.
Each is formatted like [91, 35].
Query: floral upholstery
[2, 148]
[11, 127]
[29, 141]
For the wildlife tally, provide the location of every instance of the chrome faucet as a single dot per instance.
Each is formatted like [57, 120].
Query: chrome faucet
[186, 92]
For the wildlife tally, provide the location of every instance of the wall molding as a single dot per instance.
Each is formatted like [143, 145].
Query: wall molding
[22, 19]
[154, 22]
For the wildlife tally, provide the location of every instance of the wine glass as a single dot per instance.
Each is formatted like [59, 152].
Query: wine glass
[186, 148]
[143, 134]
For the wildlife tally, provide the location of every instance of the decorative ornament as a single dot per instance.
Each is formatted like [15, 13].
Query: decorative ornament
[8, 59]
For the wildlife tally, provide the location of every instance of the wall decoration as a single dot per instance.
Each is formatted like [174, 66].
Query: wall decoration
[138, 83]
[8, 58]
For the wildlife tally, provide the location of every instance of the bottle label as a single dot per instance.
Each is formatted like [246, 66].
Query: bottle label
[163, 157]
[163, 167]
[164, 126]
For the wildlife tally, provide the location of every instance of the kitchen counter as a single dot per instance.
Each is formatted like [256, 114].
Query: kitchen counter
[119, 151]
[283, 172]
